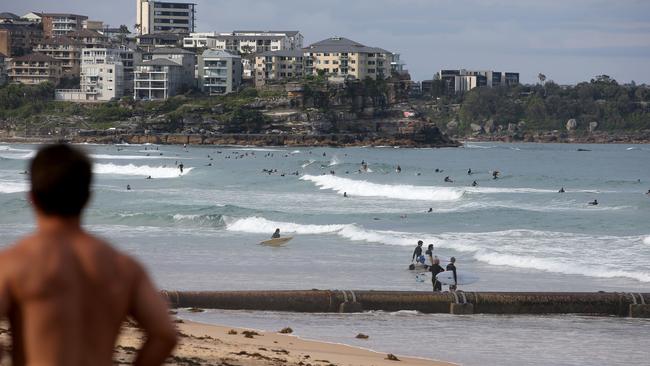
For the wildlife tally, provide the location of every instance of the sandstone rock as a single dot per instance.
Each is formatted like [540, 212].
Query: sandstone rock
[489, 126]
[452, 125]
[512, 127]
[571, 124]
[476, 128]
[521, 125]
[593, 126]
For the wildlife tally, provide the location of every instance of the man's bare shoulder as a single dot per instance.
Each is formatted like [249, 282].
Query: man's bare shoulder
[105, 250]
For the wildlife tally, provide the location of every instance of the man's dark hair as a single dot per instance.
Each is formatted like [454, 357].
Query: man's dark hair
[61, 177]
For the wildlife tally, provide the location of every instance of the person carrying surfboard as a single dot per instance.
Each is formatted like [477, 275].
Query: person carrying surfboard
[435, 269]
[417, 252]
[276, 234]
[452, 267]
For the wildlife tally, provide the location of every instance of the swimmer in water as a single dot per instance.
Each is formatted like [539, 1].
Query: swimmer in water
[561, 190]
[474, 184]
[593, 203]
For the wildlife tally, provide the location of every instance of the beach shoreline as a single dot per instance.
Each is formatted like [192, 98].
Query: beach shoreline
[206, 344]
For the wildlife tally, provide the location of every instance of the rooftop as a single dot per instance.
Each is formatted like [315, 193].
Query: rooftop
[218, 54]
[282, 53]
[342, 44]
[160, 62]
[248, 38]
[87, 33]
[35, 57]
[288, 33]
[7, 15]
[169, 51]
[61, 40]
[63, 15]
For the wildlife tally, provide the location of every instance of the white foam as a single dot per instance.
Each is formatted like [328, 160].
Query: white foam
[128, 157]
[260, 225]
[140, 170]
[566, 253]
[335, 161]
[362, 188]
[310, 162]
[13, 187]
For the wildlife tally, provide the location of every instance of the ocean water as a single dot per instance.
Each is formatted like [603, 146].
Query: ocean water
[200, 230]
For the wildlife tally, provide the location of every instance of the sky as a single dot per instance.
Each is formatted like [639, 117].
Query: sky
[568, 40]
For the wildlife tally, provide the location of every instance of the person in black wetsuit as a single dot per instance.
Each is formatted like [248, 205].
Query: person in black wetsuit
[181, 166]
[594, 203]
[561, 190]
[452, 267]
[435, 269]
[418, 251]
[276, 234]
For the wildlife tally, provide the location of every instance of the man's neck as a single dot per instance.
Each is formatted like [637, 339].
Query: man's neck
[58, 224]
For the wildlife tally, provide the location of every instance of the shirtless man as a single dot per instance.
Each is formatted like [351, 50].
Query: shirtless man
[65, 292]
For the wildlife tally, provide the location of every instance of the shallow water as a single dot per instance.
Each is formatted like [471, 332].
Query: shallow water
[200, 230]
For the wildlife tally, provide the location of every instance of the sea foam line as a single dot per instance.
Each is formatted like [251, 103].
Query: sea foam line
[140, 170]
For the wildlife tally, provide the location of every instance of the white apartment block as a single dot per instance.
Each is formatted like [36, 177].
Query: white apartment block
[220, 72]
[278, 65]
[343, 58]
[184, 58]
[101, 77]
[158, 16]
[463, 80]
[251, 42]
[198, 41]
[157, 79]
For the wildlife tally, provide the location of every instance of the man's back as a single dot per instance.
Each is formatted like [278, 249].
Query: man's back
[68, 295]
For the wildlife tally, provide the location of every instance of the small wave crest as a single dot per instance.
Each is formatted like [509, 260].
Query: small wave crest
[13, 187]
[398, 191]
[140, 170]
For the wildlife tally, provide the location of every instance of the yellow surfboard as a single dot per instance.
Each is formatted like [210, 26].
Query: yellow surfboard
[277, 242]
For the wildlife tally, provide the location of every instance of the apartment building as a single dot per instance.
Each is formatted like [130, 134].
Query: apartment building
[157, 79]
[17, 39]
[220, 72]
[130, 58]
[344, 58]
[89, 38]
[158, 16]
[252, 42]
[278, 65]
[197, 42]
[34, 68]
[101, 77]
[149, 42]
[185, 58]
[462, 80]
[60, 24]
[64, 49]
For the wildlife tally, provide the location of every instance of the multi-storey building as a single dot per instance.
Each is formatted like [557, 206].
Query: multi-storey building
[89, 38]
[34, 68]
[278, 65]
[157, 16]
[103, 75]
[185, 58]
[220, 72]
[342, 57]
[64, 49]
[149, 42]
[18, 40]
[462, 80]
[197, 42]
[157, 79]
[252, 42]
[130, 59]
[60, 24]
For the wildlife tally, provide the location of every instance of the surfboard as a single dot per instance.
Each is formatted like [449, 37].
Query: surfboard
[464, 278]
[277, 242]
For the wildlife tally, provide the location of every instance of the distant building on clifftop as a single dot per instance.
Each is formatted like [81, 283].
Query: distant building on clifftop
[462, 80]
[159, 16]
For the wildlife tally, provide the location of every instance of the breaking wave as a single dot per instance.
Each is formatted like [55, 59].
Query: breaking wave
[566, 253]
[13, 187]
[140, 170]
[367, 189]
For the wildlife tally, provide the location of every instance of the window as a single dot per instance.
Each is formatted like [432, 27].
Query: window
[326, 54]
[327, 62]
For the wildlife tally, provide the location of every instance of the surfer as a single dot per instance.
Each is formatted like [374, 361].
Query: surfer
[430, 210]
[593, 203]
[648, 193]
[345, 194]
[495, 174]
[399, 169]
[417, 252]
[448, 180]
[469, 171]
[180, 166]
[128, 187]
[435, 269]
[276, 234]
[561, 190]
[429, 252]
[474, 184]
[452, 267]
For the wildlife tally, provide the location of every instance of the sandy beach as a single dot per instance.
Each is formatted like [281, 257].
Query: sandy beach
[202, 344]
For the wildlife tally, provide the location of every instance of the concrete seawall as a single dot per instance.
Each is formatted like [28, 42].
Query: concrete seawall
[333, 301]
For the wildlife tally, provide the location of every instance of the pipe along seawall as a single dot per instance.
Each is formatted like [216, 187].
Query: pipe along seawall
[635, 305]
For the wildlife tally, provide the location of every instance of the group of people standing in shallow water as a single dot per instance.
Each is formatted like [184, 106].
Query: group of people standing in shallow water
[435, 268]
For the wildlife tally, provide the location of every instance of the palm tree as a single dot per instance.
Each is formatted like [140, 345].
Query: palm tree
[542, 80]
